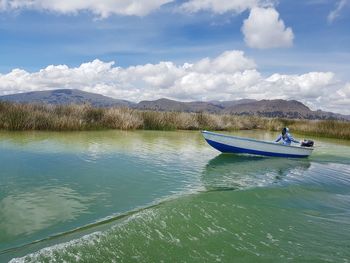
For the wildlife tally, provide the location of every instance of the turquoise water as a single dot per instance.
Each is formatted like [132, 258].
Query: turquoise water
[145, 196]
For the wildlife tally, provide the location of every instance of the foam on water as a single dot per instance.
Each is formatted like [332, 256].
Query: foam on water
[204, 207]
[50, 252]
[293, 220]
[210, 227]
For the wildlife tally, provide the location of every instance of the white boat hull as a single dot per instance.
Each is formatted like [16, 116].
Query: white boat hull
[233, 144]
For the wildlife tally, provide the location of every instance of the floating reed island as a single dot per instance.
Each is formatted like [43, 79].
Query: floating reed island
[20, 117]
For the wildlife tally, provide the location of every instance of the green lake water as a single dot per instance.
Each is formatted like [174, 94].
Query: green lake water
[151, 196]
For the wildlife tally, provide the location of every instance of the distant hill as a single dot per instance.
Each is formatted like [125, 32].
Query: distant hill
[65, 96]
[291, 109]
[272, 108]
[173, 105]
[193, 106]
[227, 104]
[265, 108]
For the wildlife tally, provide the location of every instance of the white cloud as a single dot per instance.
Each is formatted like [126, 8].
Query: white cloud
[102, 8]
[345, 91]
[308, 88]
[264, 29]
[223, 6]
[336, 12]
[262, 24]
[227, 62]
[229, 76]
[219, 6]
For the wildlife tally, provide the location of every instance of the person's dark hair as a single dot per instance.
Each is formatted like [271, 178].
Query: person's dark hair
[284, 131]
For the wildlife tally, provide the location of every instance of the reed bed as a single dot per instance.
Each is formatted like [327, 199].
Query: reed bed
[15, 116]
[327, 128]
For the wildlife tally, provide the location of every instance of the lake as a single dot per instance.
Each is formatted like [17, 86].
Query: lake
[153, 196]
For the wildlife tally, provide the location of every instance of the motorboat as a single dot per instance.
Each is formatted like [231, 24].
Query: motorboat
[234, 144]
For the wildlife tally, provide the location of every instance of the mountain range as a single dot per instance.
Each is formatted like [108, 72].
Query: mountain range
[265, 108]
[65, 96]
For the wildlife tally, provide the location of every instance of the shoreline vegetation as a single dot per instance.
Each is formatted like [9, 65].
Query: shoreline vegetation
[22, 117]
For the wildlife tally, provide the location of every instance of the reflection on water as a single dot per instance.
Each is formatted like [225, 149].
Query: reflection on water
[27, 212]
[101, 142]
[288, 223]
[228, 171]
[64, 181]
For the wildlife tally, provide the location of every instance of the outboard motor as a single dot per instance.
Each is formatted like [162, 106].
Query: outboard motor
[307, 143]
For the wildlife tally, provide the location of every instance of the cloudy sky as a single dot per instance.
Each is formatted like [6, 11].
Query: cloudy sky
[184, 50]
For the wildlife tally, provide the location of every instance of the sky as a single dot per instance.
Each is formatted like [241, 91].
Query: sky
[185, 50]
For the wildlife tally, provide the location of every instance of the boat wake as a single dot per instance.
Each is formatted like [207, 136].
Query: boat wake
[288, 178]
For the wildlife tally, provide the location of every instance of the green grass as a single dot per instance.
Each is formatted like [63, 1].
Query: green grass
[15, 116]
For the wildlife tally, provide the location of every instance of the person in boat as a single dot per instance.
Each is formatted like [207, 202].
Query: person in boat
[286, 137]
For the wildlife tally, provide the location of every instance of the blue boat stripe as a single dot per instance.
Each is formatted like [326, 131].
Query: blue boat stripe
[232, 149]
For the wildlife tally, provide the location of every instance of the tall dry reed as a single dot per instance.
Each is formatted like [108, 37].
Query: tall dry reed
[15, 116]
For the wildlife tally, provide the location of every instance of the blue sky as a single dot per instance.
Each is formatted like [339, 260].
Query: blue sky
[34, 36]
